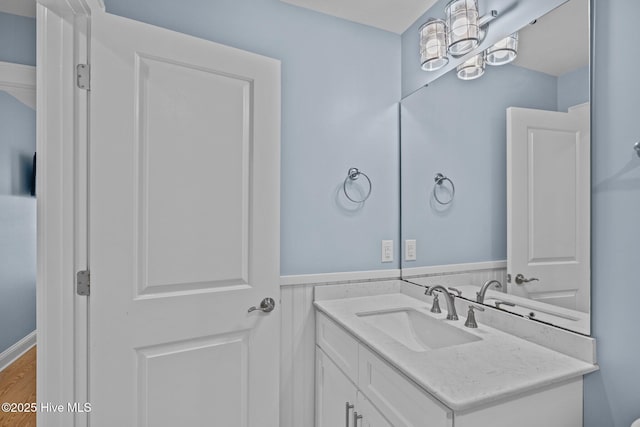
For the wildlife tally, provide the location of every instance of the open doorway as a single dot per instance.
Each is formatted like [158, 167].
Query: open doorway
[17, 215]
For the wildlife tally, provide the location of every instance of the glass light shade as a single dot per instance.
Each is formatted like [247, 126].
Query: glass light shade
[503, 51]
[433, 45]
[472, 68]
[463, 32]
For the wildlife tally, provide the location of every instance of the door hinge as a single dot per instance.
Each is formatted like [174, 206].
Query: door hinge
[83, 76]
[83, 283]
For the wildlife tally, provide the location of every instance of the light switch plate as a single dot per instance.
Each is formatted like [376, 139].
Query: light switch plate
[410, 250]
[387, 251]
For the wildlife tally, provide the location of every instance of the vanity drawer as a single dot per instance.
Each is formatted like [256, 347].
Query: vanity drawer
[402, 402]
[341, 347]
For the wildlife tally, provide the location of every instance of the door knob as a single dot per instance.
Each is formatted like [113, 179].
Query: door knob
[520, 279]
[266, 306]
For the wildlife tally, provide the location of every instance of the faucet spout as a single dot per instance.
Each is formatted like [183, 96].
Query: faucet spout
[480, 295]
[449, 298]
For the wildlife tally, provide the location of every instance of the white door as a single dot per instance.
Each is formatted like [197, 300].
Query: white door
[184, 230]
[548, 208]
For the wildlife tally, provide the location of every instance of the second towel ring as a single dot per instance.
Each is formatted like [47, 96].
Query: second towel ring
[353, 174]
[439, 179]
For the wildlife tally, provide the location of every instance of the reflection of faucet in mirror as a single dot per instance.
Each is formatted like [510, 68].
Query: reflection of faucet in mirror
[480, 295]
[501, 303]
[451, 304]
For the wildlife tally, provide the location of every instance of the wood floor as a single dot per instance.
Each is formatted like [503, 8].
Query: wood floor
[18, 385]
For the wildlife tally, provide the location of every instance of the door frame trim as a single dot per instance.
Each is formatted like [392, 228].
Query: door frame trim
[61, 132]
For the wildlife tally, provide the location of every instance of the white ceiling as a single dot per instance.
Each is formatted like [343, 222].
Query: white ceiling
[19, 7]
[391, 15]
[558, 42]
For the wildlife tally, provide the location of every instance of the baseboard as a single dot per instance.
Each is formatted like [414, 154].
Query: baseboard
[349, 276]
[10, 355]
[453, 268]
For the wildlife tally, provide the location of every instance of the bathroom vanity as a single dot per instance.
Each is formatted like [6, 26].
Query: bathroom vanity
[383, 359]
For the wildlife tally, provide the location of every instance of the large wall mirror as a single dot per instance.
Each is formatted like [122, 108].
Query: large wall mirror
[496, 175]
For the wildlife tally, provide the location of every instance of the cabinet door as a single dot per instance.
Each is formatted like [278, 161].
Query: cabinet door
[334, 392]
[370, 415]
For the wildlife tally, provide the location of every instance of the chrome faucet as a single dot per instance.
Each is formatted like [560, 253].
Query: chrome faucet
[483, 290]
[449, 298]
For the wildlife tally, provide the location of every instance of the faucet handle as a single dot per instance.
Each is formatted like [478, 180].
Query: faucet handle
[471, 316]
[458, 291]
[435, 308]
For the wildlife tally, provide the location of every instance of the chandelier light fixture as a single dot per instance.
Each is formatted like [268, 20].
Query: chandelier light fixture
[472, 68]
[433, 45]
[462, 31]
[504, 51]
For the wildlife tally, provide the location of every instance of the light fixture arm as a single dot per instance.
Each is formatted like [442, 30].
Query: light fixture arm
[485, 19]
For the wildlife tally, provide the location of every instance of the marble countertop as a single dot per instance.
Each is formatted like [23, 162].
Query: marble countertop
[464, 376]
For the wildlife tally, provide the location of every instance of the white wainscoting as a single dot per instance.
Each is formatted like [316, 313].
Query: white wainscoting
[297, 369]
[297, 376]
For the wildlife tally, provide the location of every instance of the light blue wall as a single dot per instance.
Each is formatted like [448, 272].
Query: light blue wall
[573, 88]
[17, 208]
[17, 39]
[340, 88]
[17, 269]
[458, 128]
[612, 395]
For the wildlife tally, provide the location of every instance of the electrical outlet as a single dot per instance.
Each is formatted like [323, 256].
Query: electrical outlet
[387, 251]
[410, 250]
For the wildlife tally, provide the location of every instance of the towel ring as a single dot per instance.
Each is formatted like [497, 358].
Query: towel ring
[637, 148]
[353, 174]
[439, 179]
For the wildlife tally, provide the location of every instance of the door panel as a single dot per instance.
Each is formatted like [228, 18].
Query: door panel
[186, 117]
[192, 394]
[548, 218]
[184, 230]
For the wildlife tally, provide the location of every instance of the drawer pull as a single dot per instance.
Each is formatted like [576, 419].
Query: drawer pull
[348, 408]
[356, 417]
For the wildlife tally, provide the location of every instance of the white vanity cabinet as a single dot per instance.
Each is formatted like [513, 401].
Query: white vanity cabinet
[338, 401]
[348, 372]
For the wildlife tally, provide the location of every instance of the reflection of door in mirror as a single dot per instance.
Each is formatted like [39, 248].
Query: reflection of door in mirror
[548, 199]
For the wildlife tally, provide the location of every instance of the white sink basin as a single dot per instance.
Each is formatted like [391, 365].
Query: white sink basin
[416, 330]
